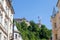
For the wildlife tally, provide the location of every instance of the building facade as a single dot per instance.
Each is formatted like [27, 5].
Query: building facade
[6, 20]
[55, 19]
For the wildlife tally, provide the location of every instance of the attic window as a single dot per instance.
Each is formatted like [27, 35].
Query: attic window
[16, 36]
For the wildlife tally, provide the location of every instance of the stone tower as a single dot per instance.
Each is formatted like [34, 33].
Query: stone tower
[55, 19]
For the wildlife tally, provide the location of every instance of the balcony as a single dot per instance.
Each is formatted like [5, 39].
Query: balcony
[3, 29]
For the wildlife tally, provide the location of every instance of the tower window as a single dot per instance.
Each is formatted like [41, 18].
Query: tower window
[56, 36]
[55, 25]
[16, 36]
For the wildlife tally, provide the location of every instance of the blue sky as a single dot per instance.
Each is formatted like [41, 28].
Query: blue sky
[31, 9]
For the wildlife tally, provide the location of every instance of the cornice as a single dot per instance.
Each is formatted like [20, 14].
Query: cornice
[8, 2]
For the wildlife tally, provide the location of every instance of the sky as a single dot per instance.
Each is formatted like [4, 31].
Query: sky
[31, 9]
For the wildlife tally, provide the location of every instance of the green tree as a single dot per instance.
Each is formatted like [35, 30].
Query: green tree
[33, 32]
[44, 32]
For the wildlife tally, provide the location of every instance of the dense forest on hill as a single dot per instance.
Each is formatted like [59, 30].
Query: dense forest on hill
[33, 32]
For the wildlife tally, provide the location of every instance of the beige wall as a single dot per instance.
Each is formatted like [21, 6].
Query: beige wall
[56, 30]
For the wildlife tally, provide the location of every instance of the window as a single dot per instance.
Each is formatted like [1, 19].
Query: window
[11, 16]
[16, 36]
[5, 38]
[6, 25]
[59, 19]
[55, 25]
[19, 36]
[7, 10]
[0, 17]
[56, 36]
[0, 36]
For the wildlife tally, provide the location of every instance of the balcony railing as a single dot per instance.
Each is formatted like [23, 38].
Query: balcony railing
[3, 29]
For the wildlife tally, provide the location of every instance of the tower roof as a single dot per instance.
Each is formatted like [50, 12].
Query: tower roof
[58, 3]
[53, 13]
[15, 29]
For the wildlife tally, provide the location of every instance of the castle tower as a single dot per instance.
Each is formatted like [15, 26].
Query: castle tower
[39, 21]
[55, 19]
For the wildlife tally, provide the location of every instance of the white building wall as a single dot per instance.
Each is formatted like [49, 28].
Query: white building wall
[9, 21]
[3, 35]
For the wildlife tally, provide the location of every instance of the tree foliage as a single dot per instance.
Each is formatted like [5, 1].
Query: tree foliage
[33, 32]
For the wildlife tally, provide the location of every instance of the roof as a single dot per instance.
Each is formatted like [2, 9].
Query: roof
[15, 29]
[57, 2]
